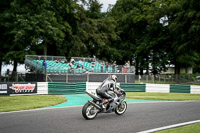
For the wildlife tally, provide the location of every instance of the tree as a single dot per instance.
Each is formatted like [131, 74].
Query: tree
[187, 29]
[5, 26]
[142, 35]
[95, 34]
[32, 23]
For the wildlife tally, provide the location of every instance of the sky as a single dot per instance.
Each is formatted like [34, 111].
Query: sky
[106, 3]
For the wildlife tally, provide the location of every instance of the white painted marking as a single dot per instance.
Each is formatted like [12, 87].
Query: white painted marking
[170, 126]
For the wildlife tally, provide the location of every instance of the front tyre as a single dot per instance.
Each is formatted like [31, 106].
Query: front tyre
[89, 112]
[121, 108]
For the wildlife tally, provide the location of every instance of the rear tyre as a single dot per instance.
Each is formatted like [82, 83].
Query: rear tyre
[121, 108]
[89, 112]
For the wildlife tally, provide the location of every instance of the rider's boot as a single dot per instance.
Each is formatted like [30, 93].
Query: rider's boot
[104, 103]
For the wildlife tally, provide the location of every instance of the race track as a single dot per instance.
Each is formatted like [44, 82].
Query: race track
[138, 117]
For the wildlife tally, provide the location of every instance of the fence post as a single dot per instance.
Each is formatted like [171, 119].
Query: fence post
[139, 77]
[125, 78]
[66, 78]
[164, 78]
[147, 78]
[88, 77]
[153, 78]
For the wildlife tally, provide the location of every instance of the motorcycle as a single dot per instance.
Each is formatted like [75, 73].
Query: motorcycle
[92, 108]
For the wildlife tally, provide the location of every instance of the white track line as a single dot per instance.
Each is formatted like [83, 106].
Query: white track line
[170, 126]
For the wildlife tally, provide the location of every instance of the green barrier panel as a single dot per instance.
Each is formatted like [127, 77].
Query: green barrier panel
[180, 88]
[80, 88]
[61, 88]
[131, 87]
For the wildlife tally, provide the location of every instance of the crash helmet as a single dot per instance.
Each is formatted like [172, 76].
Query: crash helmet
[114, 78]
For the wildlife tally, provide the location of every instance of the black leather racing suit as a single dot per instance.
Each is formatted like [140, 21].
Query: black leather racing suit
[107, 85]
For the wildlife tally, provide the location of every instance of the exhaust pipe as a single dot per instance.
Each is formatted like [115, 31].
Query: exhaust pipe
[95, 105]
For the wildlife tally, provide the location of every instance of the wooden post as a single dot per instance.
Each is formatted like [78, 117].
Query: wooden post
[139, 78]
[153, 78]
[66, 77]
[164, 78]
[125, 78]
[88, 77]
[147, 78]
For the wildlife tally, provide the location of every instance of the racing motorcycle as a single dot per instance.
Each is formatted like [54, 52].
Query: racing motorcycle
[93, 107]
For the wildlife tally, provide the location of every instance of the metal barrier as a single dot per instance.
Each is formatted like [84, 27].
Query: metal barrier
[66, 88]
[90, 77]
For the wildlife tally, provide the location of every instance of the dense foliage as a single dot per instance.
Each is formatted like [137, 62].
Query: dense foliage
[152, 34]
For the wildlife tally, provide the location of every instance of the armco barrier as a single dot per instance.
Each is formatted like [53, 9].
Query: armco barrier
[42, 87]
[131, 87]
[194, 89]
[61, 88]
[180, 88]
[163, 88]
[75, 88]
[66, 88]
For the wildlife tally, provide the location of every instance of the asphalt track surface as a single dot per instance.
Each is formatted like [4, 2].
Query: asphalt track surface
[140, 116]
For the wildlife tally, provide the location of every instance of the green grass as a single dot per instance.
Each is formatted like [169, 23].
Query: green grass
[15, 103]
[194, 128]
[163, 96]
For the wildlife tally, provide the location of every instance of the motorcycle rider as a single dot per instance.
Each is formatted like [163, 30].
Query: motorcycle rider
[108, 84]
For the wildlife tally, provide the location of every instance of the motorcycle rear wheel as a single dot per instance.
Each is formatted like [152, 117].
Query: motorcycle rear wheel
[88, 111]
[121, 109]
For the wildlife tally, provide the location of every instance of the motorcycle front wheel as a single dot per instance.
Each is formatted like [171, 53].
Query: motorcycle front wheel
[89, 112]
[121, 108]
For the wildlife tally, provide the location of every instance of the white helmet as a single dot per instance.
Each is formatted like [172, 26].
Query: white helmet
[114, 78]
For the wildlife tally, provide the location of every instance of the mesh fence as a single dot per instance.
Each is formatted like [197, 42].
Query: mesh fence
[99, 77]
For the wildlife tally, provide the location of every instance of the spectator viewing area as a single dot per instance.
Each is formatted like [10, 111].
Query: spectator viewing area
[77, 65]
[57, 67]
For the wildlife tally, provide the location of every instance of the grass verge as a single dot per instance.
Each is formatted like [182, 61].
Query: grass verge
[194, 128]
[163, 96]
[16, 103]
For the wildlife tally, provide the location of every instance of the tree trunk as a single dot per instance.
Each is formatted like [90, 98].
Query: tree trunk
[141, 71]
[147, 66]
[0, 66]
[136, 67]
[177, 72]
[45, 48]
[14, 71]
